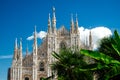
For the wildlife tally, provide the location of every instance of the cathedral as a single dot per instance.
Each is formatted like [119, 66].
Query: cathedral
[36, 65]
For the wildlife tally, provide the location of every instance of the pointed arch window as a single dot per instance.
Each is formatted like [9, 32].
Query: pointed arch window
[41, 66]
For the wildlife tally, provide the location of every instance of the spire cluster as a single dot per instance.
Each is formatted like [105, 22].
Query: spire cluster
[88, 40]
[17, 50]
[74, 27]
[52, 27]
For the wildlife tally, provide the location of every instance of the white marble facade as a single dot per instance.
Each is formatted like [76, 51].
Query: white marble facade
[37, 64]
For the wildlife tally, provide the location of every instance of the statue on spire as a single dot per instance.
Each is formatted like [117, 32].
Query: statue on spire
[49, 24]
[54, 21]
[53, 9]
[20, 48]
[77, 23]
[35, 36]
[15, 50]
[72, 24]
[35, 42]
[54, 18]
[16, 43]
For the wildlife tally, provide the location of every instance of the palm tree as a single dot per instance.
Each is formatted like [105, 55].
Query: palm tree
[68, 65]
[106, 47]
[107, 61]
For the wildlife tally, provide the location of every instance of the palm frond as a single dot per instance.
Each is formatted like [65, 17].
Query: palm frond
[99, 56]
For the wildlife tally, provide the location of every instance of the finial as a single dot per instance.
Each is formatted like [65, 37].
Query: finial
[20, 55]
[16, 43]
[54, 13]
[77, 23]
[49, 19]
[49, 24]
[15, 50]
[35, 37]
[54, 21]
[53, 9]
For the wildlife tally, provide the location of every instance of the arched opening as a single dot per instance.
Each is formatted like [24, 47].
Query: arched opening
[62, 45]
[26, 78]
[41, 66]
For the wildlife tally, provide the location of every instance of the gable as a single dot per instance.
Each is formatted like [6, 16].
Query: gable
[63, 31]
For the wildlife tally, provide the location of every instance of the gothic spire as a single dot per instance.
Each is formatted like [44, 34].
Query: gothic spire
[15, 50]
[35, 42]
[72, 24]
[20, 47]
[77, 24]
[49, 24]
[16, 44]
[54, 21]
[54, 13]
[35, 36]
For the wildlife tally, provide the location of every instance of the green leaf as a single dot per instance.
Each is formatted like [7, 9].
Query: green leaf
[116, 49]
[99, 56]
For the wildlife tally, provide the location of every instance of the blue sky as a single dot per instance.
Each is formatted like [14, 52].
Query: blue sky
[18, 18]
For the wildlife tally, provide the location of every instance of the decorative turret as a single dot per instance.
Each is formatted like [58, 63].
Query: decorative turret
[15, 50]
[76, 24]
[72, 24]
[54, 21]
[35, 42]
[34, 77]
[49, 24]
[20, 48]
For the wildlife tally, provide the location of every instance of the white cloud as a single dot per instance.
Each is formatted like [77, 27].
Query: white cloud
[97, 34]
[6, 56]
[30, 37]
[40, 35]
